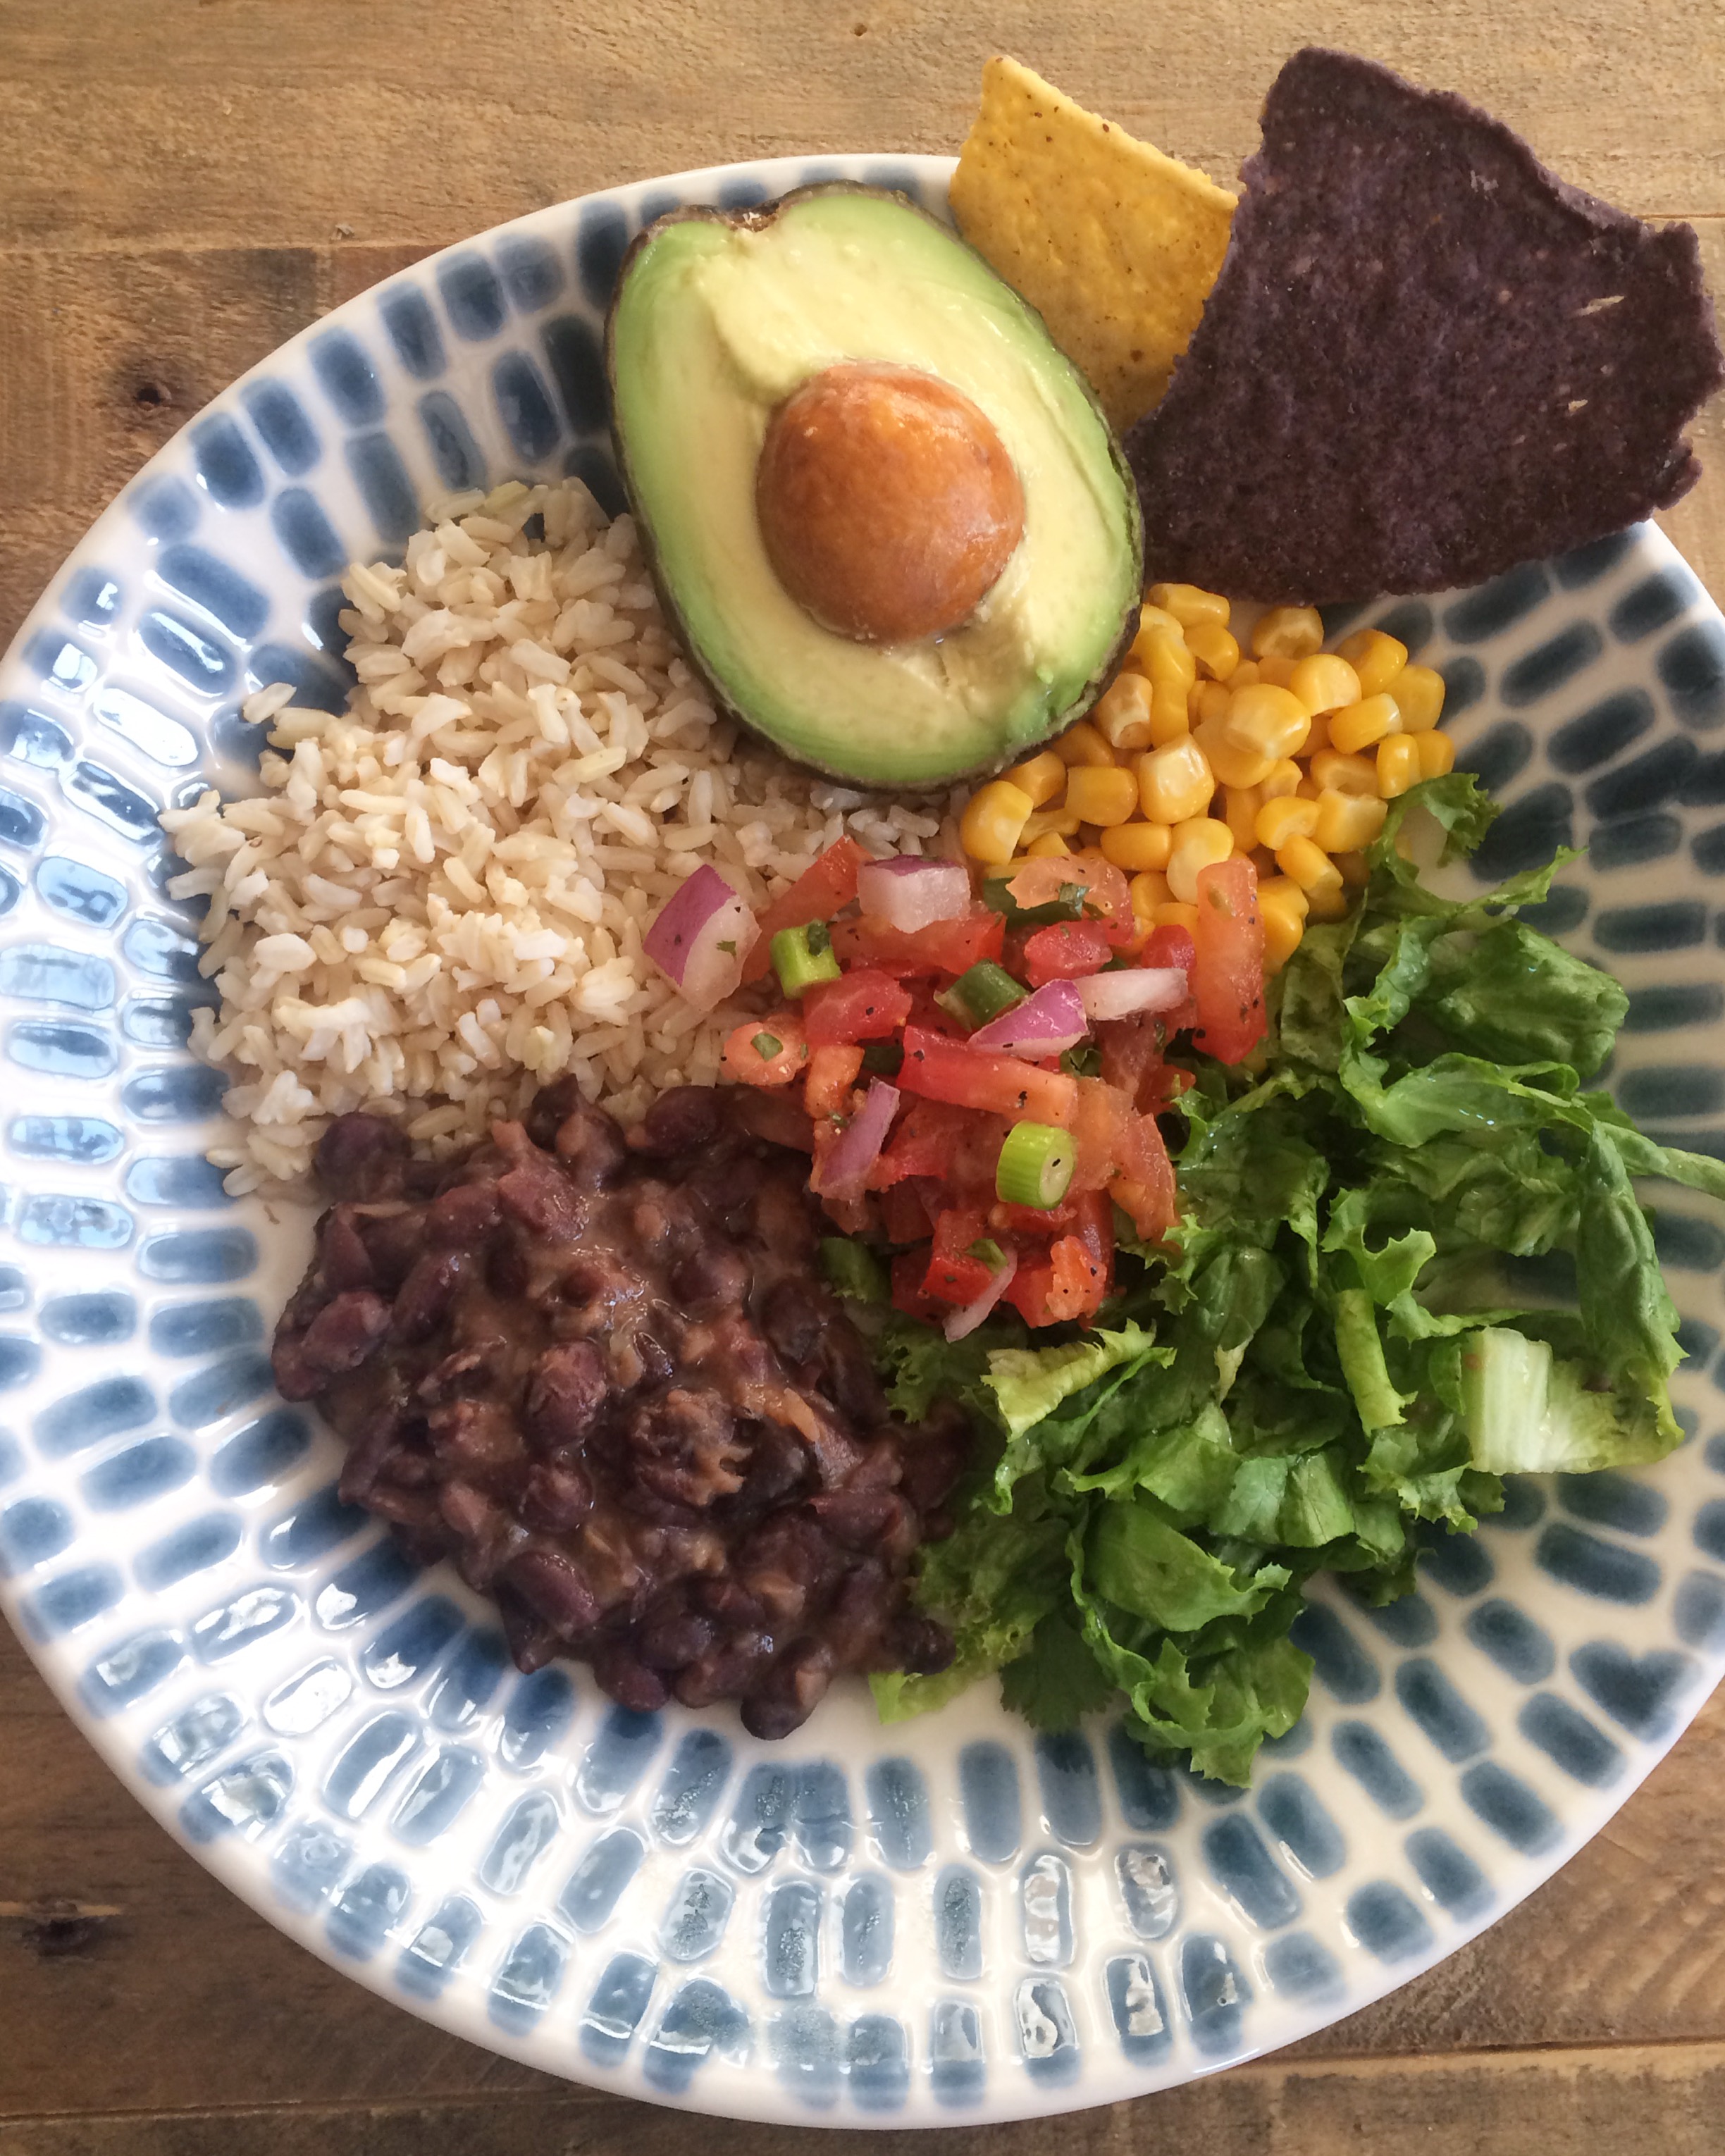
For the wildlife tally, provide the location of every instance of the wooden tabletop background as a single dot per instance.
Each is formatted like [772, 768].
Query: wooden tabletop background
[184, 184]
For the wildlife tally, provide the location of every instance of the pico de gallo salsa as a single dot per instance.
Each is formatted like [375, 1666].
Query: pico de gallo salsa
[982, 1071]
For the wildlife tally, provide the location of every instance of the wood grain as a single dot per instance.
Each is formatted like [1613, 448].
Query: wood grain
[185, 183]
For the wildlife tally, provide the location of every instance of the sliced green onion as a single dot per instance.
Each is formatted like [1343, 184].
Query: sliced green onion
[980, 995]
[853, 1269]
[1066, 905]
[767, 1045]
[1035, 1165]
[1082, 1062]
[987, 1252]
[800, 956]
[883, 1058]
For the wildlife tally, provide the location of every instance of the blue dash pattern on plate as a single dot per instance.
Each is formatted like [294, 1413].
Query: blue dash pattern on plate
[945, 1919]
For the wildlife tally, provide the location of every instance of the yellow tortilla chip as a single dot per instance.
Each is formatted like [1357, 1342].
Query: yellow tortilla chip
[1114, 245]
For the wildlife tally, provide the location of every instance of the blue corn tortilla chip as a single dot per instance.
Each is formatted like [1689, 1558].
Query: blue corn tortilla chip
[1425, 357]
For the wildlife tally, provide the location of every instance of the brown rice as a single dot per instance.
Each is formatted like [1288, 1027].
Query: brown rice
[436, 902]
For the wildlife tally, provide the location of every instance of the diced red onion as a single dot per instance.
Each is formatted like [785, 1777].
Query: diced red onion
[843, 1169]
[966, 1321]
[1048, 1022]
[907, 893]
[1132, 989]
[701, 937]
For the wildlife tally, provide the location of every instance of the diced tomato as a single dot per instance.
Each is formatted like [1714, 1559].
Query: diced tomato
[1079, 1281]
[1168, 946]
[1228, 964]
[817, 894]
[908, 1268]
[1132, 1060]
[972, 1078]
[832, 1073]
[1145, 1190]
[779, 1117]
[1099, 1120]
[866, 1004]
[944, 947]
[954, 1274]
[1028, 1289]
[749, 1059]
[1065, 951]
[1107, 900]
[905, 1211]
[924, 1143]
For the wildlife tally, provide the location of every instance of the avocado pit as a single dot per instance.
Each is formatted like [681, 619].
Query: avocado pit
[887, 502]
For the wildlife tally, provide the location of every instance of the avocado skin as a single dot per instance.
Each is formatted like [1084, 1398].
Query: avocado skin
[757, 218]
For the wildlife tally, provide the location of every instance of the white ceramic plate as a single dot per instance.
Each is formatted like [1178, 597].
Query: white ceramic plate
[939, 1920]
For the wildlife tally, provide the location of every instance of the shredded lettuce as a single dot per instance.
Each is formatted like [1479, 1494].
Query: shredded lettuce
[1328, 1364]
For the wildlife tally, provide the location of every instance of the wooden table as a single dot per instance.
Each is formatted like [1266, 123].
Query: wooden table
[183, 183]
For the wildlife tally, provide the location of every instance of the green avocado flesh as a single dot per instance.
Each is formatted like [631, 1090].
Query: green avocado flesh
[716, 321]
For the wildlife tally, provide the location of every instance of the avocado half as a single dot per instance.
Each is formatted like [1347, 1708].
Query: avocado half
[716, 319]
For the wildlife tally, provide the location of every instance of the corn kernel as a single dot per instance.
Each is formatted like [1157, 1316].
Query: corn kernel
[1376, 658]
[1123, 713]
[1307, 865]
[1437, 753]
[1288, 632]
[1356, 870]
[1188, 605]
[1162, 655]
[1289, 818]
[1040, 777]
[1276, 670]
[1245, 675]
[1398, 765]
[1231, 766]
[1263, 860]
[1285, 891]
[1198, 844]
[1364, 723]
[993, 822]
[1050, 846]
[1152, 616]
[1419, 693]
[1062, 822]
[1336, 773]
[1083, 744]
[1148, 889]
[1281, 779]
[1240, 815]
[1208, 700]
[1319, 738]
[1100, 796]
[1324, 683]
[1266, 721]
[1214, 647]
[1170, 714]
[1345, 822]
[1175, 915]
[1136, 847]
[1283, 923]
[1328, 904]
[1175, 783]
[1308, 789]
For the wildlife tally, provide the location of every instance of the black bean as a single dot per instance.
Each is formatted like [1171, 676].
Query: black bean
[471, 1434]
[568, 1388]
[341, 1254]
[394, 1241]
[557, 1499]
[920, 1645]
[683, 1446]
[361, 1157]
[793, 1313]
[687, 1119]
[427, 1293]
[673, 1641]
[712, 1278]
[543, 1201]
[591, 1148]
[556, 1588]
[794, 1687]
[461, 1218]
[628, 1679]
[340, 1338]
